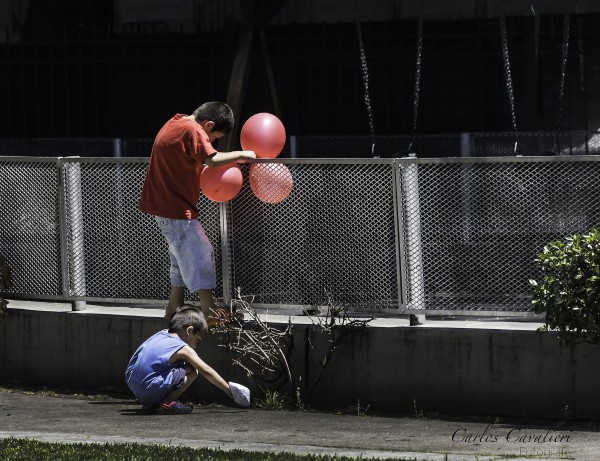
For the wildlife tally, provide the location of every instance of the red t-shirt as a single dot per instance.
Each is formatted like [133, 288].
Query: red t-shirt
[172, 185]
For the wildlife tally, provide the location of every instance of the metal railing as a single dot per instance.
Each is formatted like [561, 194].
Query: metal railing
[497, 144]
[452, 236]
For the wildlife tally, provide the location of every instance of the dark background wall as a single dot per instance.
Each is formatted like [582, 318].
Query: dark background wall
[72, 70]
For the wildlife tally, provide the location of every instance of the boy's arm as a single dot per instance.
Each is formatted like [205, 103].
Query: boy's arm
[223, 158]
[189, 355]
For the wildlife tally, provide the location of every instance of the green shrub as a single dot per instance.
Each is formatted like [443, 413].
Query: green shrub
[570, 286]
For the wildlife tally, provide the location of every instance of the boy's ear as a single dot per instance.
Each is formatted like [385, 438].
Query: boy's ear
[189, 330]
[209, 125]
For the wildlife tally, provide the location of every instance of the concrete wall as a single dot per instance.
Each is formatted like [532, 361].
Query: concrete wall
[466, 371]
[445, 370]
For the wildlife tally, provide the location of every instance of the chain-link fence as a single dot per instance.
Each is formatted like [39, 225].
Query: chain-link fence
[431, 235]
[336, 234]
[30, 231]
[473, 227]
[71, 230]
[385, 146]
[449, 145]
[77, 147]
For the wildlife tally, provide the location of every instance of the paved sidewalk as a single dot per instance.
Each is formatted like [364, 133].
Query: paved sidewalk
[78, 419]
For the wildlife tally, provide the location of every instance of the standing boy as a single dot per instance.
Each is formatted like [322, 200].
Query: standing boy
[171, 191]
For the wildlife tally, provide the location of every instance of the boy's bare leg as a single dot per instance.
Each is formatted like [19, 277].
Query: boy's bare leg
[190, 376]
[175, 300]
[207, 303]
[214, 314]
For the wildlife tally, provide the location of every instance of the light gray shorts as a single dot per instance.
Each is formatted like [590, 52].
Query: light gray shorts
[190, 252]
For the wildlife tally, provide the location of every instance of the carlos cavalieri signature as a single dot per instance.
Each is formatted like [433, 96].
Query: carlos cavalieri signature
[492, 435]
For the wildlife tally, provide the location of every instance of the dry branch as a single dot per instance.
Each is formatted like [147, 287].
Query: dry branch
[260, 350]
[335, 326]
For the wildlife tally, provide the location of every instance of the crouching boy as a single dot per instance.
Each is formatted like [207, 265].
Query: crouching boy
[166, 364]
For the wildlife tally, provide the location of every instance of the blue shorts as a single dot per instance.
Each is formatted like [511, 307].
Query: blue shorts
[154, 394]
[190, 252]
[178, 376]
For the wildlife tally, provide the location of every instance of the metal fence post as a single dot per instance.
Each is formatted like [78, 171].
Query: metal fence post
[399, 235]
[465, 144]
[225, 252]
[414, 249]
[118, 147]
[465, 151]
[75, 233]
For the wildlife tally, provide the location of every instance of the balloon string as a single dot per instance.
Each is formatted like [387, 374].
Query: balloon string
[365, 76]
[508, 74]
[563, 70]
[417, 90]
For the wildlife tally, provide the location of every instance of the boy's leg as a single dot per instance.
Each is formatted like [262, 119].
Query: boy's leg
[207, 303]
[169, 228]
[190, 375]
[214, 314]
[175, 300]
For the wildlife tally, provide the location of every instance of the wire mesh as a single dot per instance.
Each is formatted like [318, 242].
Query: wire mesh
[334, 235]
[385, 146]
[29, 225]
[531, 144]
[58, 147]
[451, 145]
[483, 223]
[340, 147]
[77, 147]
[126, 257]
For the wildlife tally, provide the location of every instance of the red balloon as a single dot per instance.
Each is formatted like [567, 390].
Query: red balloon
[270, 182]
[221, 184]
[264, 134]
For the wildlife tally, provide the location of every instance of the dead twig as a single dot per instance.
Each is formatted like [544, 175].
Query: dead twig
[335, 326]
[260, 350]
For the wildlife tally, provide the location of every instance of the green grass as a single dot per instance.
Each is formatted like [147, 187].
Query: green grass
[274, 401]
[16, 449]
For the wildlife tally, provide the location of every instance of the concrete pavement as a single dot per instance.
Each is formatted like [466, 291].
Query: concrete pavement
[66, 418]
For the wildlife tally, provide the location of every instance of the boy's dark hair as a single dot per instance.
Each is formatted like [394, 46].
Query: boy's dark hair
[218, 112]
[186, 316]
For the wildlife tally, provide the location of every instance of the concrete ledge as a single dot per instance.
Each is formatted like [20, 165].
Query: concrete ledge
[469, 367]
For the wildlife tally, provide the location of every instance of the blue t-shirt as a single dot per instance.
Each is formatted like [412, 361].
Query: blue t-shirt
[149, 374]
